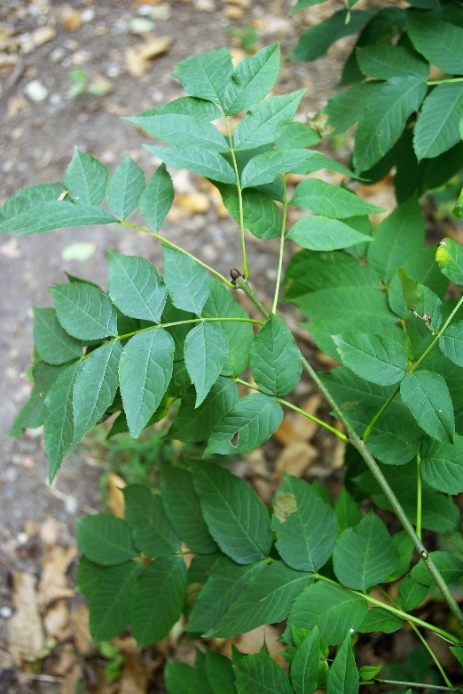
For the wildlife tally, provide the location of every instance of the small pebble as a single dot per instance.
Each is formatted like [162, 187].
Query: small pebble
[205, 5]
[57, 54]
[36, 91]
[5, 612]
[88, 15]
[141, 25]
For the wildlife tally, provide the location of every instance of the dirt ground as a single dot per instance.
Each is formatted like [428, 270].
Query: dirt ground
[124, 51]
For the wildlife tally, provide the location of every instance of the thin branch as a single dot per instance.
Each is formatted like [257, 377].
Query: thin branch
[166, 242]
[281, 248]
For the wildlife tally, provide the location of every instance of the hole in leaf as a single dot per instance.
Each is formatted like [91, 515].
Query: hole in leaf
[235, 439]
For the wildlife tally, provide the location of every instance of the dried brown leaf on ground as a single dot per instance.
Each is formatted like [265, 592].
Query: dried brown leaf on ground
[25, 631]
[253, 641]
[115, 499]
[135, 676]
[70, 18]
[56, 621]
[187, 204]
[294, 460]
[54, 581]
[70, 668]
[80, 627]
[138, 59]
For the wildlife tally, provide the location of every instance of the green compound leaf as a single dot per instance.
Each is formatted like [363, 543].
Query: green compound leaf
[30, 198]
[385, 118]
[449, 565]
[135, 287]
[158, 599]
[205, 349]
[183, 131]
[236, 517]
[184, 510]
[343, 676]
[267, 166]
[439, 513]
[440, 42]
[297, 136]
[86, 179]
[61, 214]
[95, 387]
[252, 421]
[376, 358]
[254, 77]
[253, 672]
[157, 198]
[411, 593]
[442, 465]
[221, 590]
[427, 396]
[202, 111]
[337, 309]
[451, 343]
[178, 324]
[383, 62]
[347, 511]
[330, 200]
[301, 4]
[449, 257]
[457, 652]
[275, 358]
[206, 75]
[437, 129]
[396, 437]
[221, 303]
[153, 534]
[365, 555]
[310, 272]
[334, 610]
[219, 673]
[204, 162]
[265, 599]
[324, 234]
[424, 303]
[58, 428]
[398, 238]
[179, 677]
[261, 215]
[404, 546]
[305, 525]
[186, 281]
[125, 188]
[31, 414]
[110, 592]
[84, 310]
[378, 619]
[105, 539]
[265, 122]
[315, 41]
[51, 341]
[306, 664]
[145, 371]
[345, 108]
[196, 424]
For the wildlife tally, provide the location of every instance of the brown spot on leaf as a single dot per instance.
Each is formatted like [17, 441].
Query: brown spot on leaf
[285, 505]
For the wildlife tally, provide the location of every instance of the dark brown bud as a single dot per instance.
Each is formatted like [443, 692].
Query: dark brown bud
[234, 274]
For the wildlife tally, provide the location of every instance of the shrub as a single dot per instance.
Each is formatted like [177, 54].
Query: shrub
[203, 547]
